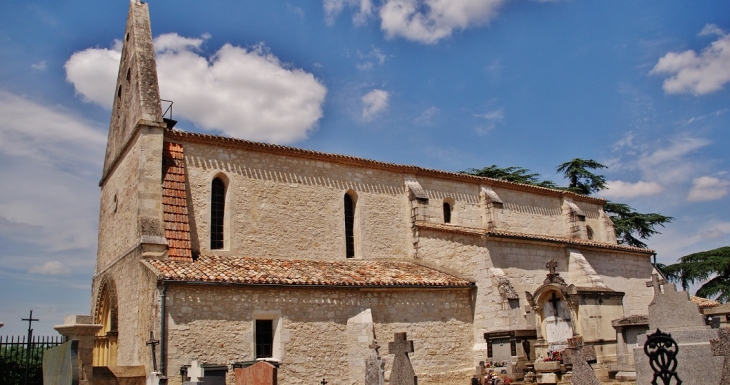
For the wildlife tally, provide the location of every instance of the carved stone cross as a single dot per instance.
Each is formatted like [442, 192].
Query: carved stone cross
[579, 356]
[152, 343]
[721, 347]
[552, 265]
[656, 282]
[402, 372]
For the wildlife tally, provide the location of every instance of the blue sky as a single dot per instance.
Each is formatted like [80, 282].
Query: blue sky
[642, 87]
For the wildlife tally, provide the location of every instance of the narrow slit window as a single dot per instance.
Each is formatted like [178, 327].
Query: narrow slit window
[217, 211]
[349, 226]
[447, 212]
[264, 338]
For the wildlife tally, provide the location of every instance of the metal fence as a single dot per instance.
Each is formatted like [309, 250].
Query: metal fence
[21, 359]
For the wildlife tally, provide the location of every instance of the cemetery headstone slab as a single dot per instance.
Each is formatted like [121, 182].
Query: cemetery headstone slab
[721, 347]
[402, 372]
[60, 364]
[673, 313]
[374, 366]
[579, 356]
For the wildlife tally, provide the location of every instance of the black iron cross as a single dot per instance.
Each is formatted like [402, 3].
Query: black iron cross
[30, 320]
[324, 382]
[153, 342]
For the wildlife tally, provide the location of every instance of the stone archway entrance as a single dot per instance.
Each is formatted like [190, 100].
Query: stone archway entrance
[105, 343]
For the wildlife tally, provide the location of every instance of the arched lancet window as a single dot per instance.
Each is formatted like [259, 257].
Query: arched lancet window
[448, 207]
[217, 211]
[349, 226]
[589, 231]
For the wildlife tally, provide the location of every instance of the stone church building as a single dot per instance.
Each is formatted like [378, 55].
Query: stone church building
[232, 251]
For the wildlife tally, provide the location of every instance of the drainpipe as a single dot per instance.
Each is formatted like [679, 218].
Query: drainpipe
[163, 333]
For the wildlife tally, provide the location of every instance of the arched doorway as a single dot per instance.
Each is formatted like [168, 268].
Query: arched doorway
[105, 343]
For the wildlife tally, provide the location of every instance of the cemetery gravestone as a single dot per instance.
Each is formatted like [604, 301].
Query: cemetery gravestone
[402, 373]
[721, 347]
[61, 364]
[195, 373]
[672, 312]
[374, 367]
[579, 356]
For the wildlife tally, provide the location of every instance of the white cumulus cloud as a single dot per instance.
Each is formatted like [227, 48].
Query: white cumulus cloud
[698, 74]
[50, 268]
[707, 188]
[617, 189]
[428, 21]
[423, 21]
[373, 103]
[246, 93]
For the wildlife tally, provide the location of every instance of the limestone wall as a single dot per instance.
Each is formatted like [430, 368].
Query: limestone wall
[465, 197]
[118, 210]
[293, 207]
[531, 213]
[216, 325]
[628, 273]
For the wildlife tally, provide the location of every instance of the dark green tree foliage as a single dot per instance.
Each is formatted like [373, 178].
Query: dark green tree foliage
[511, 174]
[631, 226]
[581, 180]
[711, 267]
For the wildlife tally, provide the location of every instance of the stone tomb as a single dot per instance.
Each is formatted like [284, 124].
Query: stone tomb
[61, 364]
[260, 373]
[402, 372]
[628, 329]
[672, 312]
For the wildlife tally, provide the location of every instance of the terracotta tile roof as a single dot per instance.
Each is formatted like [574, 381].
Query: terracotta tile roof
[174, 203]
[704, 302]
[515, 235]
[298, 272]
[362, 162]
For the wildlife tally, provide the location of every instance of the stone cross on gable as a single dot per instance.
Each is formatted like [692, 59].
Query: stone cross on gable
[656, 282]
[402, 372]
[721, 347]
[579, 356]
[552, 265]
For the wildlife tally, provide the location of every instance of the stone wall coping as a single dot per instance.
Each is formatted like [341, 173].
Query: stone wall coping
[501, 234]
[217, 140]
[77, 330]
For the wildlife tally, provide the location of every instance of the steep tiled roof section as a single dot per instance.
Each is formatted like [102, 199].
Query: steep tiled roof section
[449, 228]
[704, 302]
[362, 162]
[298, 272]
[174, 203]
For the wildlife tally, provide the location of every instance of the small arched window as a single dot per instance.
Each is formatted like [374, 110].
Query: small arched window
[349, 226]
[447, 212]
[589, 232]
[217, 211]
